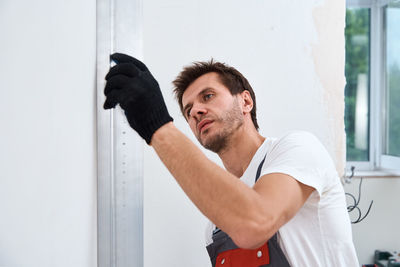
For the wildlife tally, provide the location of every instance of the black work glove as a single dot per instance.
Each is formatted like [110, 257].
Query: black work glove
[131, 85]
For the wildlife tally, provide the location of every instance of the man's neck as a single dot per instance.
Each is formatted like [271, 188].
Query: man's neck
[242, 146]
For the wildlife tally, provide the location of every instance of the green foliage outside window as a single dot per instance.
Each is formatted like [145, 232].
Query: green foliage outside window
[392, 15]
[394, 110]
[357, 34]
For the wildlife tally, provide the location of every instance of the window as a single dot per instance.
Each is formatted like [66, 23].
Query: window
[372, 93]
[358, 83]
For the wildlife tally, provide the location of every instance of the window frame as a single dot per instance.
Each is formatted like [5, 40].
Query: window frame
[379, 164]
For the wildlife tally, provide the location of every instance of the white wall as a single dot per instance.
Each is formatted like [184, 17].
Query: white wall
[47, 136]
[292, 52]
[380, 229]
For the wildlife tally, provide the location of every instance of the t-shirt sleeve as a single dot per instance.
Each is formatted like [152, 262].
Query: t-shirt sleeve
[302, 156]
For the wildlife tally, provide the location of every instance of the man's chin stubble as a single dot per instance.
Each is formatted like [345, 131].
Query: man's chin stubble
[216, 143]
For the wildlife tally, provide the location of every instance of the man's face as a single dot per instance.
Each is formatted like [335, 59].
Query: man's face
[212, 112]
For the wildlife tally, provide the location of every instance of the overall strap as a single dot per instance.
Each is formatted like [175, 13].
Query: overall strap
[259, 168]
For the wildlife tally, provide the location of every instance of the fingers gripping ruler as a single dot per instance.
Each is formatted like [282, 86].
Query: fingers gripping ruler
[119, 148]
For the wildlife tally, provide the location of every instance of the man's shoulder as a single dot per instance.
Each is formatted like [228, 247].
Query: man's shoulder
[302, 146]
[298, 134]
[297, 138]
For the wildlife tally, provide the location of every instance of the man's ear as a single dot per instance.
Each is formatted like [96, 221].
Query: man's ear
[247, 101]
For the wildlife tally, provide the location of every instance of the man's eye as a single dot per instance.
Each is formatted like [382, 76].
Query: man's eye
[208, 96]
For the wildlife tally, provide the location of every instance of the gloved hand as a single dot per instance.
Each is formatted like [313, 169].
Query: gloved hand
[131, 85]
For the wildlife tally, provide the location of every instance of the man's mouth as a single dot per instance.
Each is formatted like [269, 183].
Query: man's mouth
[204, 124]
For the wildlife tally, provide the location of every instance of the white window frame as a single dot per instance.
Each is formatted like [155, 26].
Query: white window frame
[378, 164]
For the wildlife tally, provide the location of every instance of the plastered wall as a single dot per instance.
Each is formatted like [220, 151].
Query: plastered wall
[47, 133]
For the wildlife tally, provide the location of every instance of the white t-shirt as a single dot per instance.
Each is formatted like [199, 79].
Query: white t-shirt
[320, 233]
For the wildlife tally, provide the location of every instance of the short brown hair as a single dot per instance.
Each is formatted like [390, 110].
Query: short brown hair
[229, 76]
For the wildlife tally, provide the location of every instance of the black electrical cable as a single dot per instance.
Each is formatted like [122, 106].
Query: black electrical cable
[351, 208]
[356, 202]
[369, 208]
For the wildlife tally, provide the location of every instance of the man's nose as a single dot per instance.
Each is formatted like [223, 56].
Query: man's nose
[198, 111]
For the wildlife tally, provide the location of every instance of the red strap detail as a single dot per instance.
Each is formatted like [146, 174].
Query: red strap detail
[244, 257]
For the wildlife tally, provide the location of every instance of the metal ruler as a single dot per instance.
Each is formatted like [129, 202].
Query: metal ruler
[119, 148]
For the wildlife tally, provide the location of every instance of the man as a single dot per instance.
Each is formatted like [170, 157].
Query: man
[278, 203]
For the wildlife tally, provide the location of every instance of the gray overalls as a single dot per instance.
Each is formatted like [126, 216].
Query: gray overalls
[224, 253]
